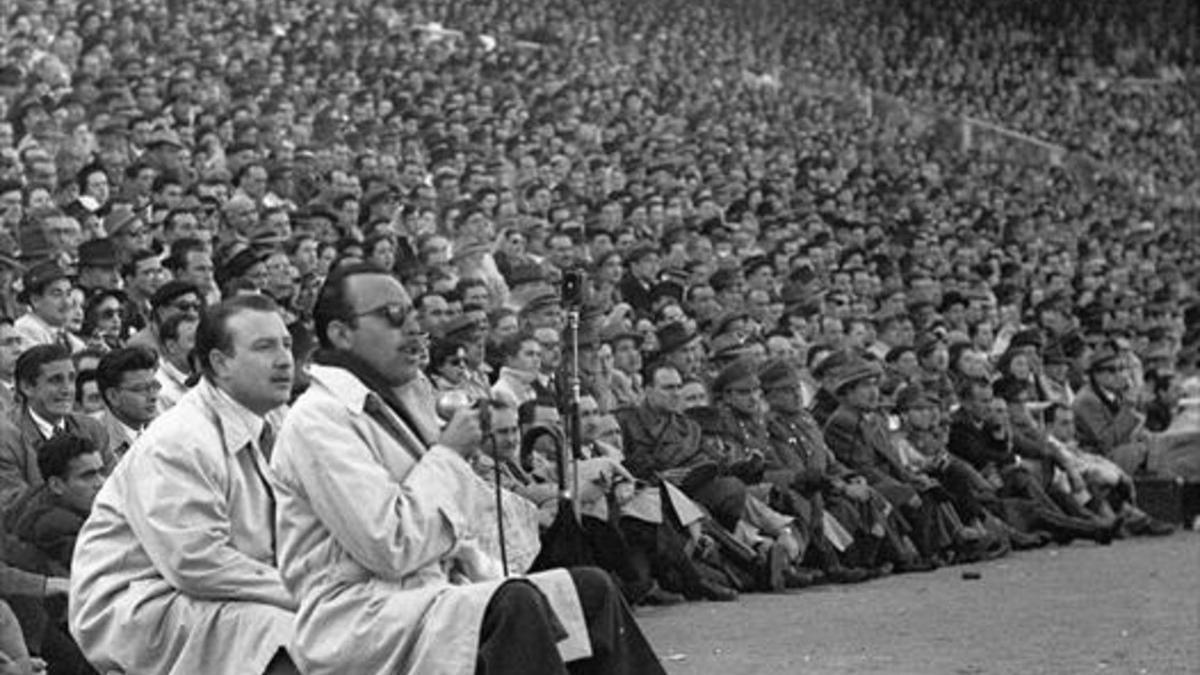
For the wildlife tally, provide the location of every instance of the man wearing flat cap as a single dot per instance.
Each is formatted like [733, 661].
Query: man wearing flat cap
[799, 459]
[636, 286]
[680, 346]
[171, 299]
[46, 288]
[1106, 421]
[98, 267]
[626, 377]
[857, 435]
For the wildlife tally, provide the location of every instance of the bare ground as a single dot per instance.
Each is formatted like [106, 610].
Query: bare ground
[1133, 607]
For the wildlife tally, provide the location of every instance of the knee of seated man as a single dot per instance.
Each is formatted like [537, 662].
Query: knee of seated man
[595, 587]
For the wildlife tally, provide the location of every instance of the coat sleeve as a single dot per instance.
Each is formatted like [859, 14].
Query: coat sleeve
[391, 528]
[976, 448]
[844, 441]
[12, 475]
[177, 509]
[1096, 432]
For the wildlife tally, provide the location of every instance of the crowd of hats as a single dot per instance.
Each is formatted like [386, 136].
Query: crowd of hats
[646, 128]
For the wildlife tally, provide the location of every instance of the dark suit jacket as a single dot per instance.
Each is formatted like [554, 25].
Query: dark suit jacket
[20, 440]
[637, 295]
[978, 445]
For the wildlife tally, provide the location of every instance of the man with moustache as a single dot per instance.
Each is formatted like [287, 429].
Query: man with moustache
[174, 571]
[377, 542]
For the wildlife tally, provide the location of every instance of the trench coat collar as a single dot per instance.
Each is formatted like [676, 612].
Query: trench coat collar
[240, 427]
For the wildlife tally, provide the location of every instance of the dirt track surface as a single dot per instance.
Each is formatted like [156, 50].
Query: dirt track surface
[1133, 607]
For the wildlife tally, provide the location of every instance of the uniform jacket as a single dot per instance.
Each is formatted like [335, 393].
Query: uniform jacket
[1102, 424]
[861, 442]
[378, 544]
[656, 440]
[174, 570]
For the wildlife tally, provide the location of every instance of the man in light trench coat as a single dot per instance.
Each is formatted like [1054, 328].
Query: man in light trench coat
[377, 542]
[174, 571]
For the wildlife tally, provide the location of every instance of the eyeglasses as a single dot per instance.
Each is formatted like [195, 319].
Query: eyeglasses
[395, 315]
[110, 313]
[187, 306]
[455, 362]
[144, 389]
[743, 391]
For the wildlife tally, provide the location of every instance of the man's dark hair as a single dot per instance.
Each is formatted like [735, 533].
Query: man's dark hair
[81, 380]
[113, 366]
[967, 386]
[55, 455]
[511, 345]
[82, 176]
[180, 249]
[129, 269]
[30, 362]
[213, 331]
[169, 330]
[332, 302]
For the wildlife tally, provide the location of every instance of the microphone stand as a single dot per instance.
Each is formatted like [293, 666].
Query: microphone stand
[485, 427]
[572, 495]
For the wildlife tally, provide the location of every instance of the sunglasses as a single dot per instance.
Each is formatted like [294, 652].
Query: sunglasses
[395, 315]
[187, 306]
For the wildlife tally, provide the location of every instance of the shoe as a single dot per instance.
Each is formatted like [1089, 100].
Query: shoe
[1023, 541]
[882, 570]
[1149, 527]
[798, 577]
[848, 575]
[658, 596]
[917, 565]
[711, 590]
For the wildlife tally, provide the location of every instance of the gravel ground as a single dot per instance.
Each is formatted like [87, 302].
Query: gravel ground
[1133, 607]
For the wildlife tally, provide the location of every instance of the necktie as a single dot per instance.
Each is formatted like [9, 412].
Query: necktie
[266, 441]
[62, 340]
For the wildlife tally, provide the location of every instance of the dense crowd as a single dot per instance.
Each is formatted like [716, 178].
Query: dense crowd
[754, 338]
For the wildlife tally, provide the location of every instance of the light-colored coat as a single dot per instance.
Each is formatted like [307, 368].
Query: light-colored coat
[378, 543]
[174, 570]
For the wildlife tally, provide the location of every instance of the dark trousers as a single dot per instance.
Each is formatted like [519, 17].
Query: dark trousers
[520, 632]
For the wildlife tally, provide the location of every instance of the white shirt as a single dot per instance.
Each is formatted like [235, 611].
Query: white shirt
[45, 427]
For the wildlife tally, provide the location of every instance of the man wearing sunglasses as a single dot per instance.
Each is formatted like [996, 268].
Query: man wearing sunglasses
[171, 299]
[375, 514]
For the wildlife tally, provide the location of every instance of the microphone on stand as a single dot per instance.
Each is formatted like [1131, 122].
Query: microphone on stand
[447, 406]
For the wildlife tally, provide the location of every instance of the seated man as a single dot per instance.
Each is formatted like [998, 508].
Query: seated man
[174, 569]
[377, 540]
[857, 435]
[1111, 488]
[126, 380]
[1107, 422]
[178, 336]
[980, 435]
[45, 376]
[800, 460]
[173, 298]
[51, 517]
